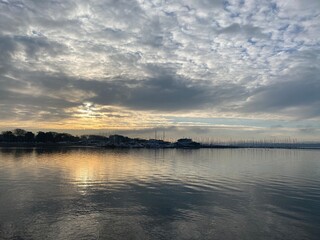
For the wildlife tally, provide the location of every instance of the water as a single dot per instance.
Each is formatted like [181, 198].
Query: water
[159, 194]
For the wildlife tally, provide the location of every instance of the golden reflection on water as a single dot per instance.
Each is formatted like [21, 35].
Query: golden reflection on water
[205, 194]
[86, 167]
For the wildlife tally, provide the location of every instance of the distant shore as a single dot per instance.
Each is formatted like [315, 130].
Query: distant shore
[75, 145]
[21, 138]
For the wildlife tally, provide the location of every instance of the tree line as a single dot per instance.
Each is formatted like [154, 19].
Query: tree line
[21, 135]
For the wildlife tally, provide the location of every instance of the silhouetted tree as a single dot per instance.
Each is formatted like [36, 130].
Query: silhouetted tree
[41, 137]
[8, 136]
[94, 138]
[60, 137]
[29, 137]
[20, 134]
[65, 137]
[49, 136]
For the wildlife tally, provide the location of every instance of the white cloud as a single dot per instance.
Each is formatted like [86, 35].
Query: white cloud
[249, 44]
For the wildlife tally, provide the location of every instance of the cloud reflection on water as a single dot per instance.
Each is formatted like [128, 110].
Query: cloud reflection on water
[154, 194]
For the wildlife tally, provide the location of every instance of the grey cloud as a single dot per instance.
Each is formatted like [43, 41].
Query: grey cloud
[297, 96]
[246, 30]
[19, 16]
[25, 112]
[309, 131]
[46, 102]
[165, 93]
[31, 47]
[158, 94]
[160, 56]
[19, 101]
[205, 4]
[35, 44]
[114, 34]
[7, 47]
[276, 126]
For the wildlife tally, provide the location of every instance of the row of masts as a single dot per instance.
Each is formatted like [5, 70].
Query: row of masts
[269, 143]
[163, 135]
[211, 141]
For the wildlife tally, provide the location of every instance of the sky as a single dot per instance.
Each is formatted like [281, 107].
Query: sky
[240, 69]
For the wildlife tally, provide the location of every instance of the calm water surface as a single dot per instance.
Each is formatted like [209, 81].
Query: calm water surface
[159, 194]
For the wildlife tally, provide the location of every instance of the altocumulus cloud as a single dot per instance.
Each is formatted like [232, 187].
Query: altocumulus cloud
[239, 58]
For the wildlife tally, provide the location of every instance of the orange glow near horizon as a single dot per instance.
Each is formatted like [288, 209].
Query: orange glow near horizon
[91, 117]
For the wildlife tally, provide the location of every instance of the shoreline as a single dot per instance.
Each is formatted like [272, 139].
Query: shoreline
[71, 145]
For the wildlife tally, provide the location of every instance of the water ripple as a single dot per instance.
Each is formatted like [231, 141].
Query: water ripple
[159, 194]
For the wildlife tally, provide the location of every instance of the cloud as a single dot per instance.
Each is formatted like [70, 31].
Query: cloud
[246, 31]
[163, 93]
[240, 58]
[294, 93]
[296, 98]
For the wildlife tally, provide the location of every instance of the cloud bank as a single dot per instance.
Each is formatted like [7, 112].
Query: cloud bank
[239, 59]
